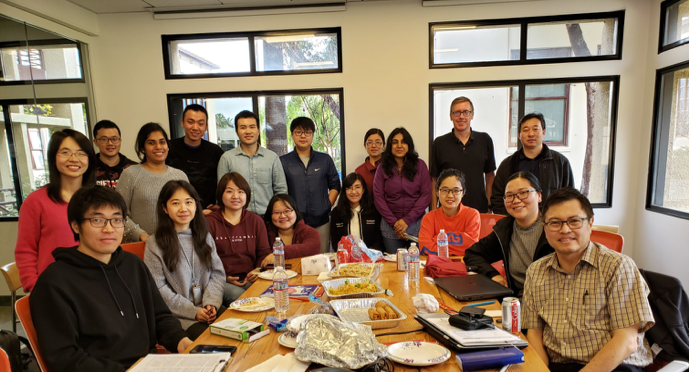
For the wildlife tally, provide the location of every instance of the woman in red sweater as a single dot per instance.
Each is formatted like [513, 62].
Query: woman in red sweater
[462, 224]
[285, 221]
[43, 224]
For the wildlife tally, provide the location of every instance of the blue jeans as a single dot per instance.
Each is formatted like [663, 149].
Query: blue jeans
[232, 292]
[391, 245]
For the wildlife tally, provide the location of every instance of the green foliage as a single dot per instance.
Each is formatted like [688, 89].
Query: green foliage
[223, 122]
[327, 136]
[40, 110]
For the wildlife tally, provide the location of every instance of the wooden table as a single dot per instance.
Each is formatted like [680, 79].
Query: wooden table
[251, 354]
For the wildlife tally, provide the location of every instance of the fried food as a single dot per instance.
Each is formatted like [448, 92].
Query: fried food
[380, 304]
[391, 313]
[383, 313]
[373, 314]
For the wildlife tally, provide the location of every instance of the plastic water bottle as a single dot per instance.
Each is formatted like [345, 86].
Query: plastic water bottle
[443, 250]
[413, 259]
[280, 291]
[279, 253]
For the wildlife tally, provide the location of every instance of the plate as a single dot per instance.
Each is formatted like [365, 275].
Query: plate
[390, 257]
[288, 339]
[417, 353]
[268, 274]
[245, 304]
[294, 325]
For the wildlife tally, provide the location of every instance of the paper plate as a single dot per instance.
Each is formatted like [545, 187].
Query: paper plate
[288, 339]
[253, 304]
[418, 354]
[390, 257]
[268, 274]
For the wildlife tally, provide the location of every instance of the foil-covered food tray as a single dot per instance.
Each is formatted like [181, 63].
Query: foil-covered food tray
[356, 310]
[337, 283]
[359, 269]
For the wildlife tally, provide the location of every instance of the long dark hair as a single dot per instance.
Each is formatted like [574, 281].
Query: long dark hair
[411, 160]
[54, 187]
[343, 208]
[289, 202]
[142, 136]
[166, 236]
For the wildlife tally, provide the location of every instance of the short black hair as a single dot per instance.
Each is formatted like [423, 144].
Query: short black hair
[533, 115]
[195, 107]
[141, 138]
[93, 196]
[373, 131]
[566, 194]
[302, 122]
[527, 176]
[105, 124]
[239, 181]
[245, 115]
[287, 200]
[451, 172]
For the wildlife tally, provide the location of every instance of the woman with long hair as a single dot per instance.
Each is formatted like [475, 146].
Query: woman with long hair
[374, 143]
[401, 190]
[182, 259]
[43, 224]
[140, 184]
[283, 220]
[240, 235]
[355, 214]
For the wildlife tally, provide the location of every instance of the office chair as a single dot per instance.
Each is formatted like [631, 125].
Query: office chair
[136, 248]
[4, 361]
[487, 222]
[24, 313]
[11, 274]
[608, 239]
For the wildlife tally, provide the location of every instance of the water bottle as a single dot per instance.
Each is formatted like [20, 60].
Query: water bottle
[413, 264]
[280, 291]
[443, 250]
[279, 253]
[342, 255]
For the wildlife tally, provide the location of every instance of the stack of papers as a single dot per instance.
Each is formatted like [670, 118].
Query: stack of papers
[183, 363]
[479, 337]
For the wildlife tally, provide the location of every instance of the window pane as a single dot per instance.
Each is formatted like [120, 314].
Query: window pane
[676, 23]
[308, 51]
[209, 56]
[468, 43]
[580, 38]
[41, 62]
[8, 196]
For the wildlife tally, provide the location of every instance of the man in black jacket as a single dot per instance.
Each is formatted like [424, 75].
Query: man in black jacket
[550, 167]
[97, 308]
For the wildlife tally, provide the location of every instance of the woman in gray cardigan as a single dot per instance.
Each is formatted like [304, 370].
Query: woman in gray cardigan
[183, 261]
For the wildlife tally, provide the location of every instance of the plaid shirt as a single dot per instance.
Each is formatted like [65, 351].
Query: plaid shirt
[578, 311]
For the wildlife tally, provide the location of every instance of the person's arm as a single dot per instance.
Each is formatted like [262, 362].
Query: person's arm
[427, 235]
[224, 165]
[212, 294]
[334, 186]
[125, 186]
[279, 180]
[263, 246]
[307, 243]
[379, 197]
[472, 224]
[535, 339]
[332, 197]
[483, 253]
[434, 172]
[490, 177]
[622, 344]
[434, 194]
[567, 174]
[28, 237]
[420, 205]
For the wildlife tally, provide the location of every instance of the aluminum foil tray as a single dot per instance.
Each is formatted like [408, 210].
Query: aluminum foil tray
[374, 273]
[337, 283]
[356, 310]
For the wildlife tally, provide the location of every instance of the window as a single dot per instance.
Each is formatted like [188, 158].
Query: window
[43, 60]
[669, 176]
[580, 118]
[674, 24]
[577, 37]
[275, 111]
[255, 53]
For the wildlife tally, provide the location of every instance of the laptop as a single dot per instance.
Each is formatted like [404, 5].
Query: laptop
[472, 287]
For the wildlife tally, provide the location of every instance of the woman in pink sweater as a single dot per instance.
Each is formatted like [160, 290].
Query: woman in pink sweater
[43, 222]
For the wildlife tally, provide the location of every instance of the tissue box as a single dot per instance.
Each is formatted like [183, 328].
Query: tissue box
[315, 265]
[239, 329]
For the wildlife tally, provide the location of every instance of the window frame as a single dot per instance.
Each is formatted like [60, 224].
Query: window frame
[565, 121]
[36, 44]
[523, 39]
[659, 144]
[166, 39]
[663, 24]
[614, 102]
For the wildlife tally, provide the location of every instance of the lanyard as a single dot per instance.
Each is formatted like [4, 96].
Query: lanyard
[191, 264]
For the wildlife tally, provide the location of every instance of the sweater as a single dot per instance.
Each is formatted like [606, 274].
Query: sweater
[305, 242]
[241, 247]
[107, 175]
[140, 189]
[199, 164]
[91, 316]
[398, 198]
[176, 287]
[462, 230]
[368, 172]
[43, 226]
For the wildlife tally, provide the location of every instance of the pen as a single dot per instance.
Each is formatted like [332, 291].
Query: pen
[585, 294]
[481, 303]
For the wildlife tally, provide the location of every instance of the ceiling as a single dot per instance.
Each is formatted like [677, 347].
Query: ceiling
[129, 6]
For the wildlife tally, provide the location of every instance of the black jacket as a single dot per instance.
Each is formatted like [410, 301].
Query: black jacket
[555, 173]
[496, 247]
[95, 317]
[369, 225]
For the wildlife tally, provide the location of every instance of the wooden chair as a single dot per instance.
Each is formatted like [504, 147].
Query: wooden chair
[24, 312]
[136, 248]
[608, 239]
[11, 274]
[487, 223]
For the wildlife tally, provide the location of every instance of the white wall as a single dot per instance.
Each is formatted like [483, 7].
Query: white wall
[385, 79]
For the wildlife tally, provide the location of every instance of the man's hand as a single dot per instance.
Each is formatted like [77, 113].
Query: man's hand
[252, 275]
[235, 280]
[184, 344]
[143, 237]
[500, 279]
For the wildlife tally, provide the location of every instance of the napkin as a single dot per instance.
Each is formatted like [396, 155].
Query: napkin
[440, 267]
[425, 303]
[281, 363]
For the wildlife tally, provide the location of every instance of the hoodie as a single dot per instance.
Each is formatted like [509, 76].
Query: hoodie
[91, 316]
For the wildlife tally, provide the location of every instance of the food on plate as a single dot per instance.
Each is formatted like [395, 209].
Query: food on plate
[354, 270]
[350, 288]
[373, 314]
[380, 304]
[383, 313]
[391, 313]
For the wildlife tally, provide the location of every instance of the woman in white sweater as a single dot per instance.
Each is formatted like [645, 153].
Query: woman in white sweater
[183, 261]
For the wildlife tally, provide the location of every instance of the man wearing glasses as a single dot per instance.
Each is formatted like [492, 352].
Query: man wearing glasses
[550, 167]
[109, 162]
[585, 306]
[312, 179]
[470, 152]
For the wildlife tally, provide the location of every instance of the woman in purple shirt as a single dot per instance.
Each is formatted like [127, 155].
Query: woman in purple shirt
[402, 190]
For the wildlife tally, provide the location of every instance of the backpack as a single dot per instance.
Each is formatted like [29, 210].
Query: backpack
[11, 343]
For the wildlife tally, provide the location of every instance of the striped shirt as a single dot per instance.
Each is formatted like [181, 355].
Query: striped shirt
[578, 311]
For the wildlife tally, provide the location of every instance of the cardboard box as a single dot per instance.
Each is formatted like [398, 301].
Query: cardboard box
[239, 329]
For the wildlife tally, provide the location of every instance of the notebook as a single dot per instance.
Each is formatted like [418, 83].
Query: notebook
[472, 287]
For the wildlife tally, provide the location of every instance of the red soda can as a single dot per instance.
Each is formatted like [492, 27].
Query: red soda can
[402, 259]
[511, 315]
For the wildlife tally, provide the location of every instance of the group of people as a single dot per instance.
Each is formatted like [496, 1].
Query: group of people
[209, 217]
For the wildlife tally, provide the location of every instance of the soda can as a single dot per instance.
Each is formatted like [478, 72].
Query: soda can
[511, 315]
[402, 263]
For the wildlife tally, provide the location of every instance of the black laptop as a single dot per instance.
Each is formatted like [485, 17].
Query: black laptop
[472, 287]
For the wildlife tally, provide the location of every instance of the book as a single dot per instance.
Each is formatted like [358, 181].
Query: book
[191, 362]
[239, 329]
[299, 292]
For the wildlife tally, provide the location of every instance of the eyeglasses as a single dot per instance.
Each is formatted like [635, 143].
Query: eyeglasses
[68, 154]
[98, 222]
[286, 212]
[573, 223]
[464, 113]
[376, 143]
[445, 191]
[354, 188]
[104, 140]
[521, 195]
[300, 133]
